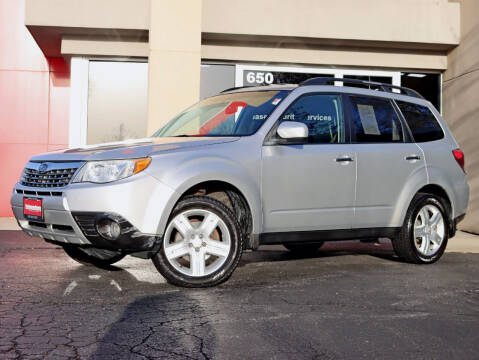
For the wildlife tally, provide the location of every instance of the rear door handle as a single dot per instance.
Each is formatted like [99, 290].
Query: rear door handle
[413, 157]
[344, 159]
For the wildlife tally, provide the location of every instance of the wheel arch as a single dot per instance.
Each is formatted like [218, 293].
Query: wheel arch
[420, 182]
[228, 194]
[247, 195]
[440, 192]
[433, 189]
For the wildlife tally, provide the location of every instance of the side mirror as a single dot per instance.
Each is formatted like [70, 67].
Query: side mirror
[292, 130]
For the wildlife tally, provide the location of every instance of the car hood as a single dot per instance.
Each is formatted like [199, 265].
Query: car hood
[130, 149]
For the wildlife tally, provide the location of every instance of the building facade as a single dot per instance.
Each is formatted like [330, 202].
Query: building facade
[34, 99]
[131, 65]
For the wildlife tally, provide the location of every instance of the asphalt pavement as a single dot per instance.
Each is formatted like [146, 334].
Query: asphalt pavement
[350, 301]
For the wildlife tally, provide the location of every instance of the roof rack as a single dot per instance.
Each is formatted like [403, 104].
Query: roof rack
[379, 86]
[265, 87]
[236, 88]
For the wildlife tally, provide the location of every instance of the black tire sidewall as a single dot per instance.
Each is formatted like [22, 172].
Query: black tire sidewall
[224, 272]
[418, 205]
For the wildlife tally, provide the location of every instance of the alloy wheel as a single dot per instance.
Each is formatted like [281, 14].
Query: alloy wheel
[197, 242]
[429, 230]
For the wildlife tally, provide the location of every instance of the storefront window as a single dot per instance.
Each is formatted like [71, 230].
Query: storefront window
[117, 101]
[428, 85]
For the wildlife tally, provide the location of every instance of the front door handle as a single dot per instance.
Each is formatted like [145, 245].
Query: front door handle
[413, 157]
[344, 159]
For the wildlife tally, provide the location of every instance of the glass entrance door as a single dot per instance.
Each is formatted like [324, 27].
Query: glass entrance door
[117, 101]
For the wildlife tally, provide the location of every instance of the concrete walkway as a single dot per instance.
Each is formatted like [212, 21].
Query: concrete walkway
[462, 242]
[8, 223]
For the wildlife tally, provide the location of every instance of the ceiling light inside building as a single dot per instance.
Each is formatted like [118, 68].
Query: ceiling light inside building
[416, 75]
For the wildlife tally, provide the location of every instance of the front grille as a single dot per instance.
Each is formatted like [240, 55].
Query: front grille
[37, 224]
[50, 178]
[62, 227]
[39, 193]
[87, 225]
[58, 227]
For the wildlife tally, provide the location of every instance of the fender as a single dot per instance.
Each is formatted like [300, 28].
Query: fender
[416, 181]
[437, 177]
[412, 187]
[210, 168]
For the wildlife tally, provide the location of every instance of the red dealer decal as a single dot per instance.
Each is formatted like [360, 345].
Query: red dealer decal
[32, 208]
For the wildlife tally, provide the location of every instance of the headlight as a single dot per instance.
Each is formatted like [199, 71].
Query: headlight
[110, 170]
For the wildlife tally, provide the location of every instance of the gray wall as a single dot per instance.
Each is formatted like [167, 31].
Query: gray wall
[461, 105]
[216, 78]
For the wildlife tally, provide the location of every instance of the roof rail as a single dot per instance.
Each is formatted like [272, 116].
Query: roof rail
[236, 88]
[379, 86]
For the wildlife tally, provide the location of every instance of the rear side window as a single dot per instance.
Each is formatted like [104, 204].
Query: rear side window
[375, 120]
[421, 121]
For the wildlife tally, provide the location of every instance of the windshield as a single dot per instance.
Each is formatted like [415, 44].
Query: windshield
[237, 114]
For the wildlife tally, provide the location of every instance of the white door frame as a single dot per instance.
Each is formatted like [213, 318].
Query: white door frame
[78, 119]
[337, 73]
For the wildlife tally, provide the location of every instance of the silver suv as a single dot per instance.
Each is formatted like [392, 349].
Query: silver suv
[292, 164]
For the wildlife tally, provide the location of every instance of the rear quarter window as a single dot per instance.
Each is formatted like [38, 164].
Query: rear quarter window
[422, 122]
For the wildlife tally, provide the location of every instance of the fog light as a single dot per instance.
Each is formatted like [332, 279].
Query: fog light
[108, 228]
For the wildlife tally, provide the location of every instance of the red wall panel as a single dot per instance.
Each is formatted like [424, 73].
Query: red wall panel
[13, 158]
[59, 104]
[24, 106]
[34, 99]
[18, 50]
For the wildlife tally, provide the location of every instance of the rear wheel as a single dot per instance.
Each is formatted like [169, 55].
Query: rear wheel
[424, 235]
[91, 256]
[304, 249]
[202, 244]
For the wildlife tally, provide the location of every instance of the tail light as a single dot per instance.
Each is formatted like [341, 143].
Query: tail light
[459, 156]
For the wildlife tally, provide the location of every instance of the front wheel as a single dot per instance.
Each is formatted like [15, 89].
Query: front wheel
[90, 256]
[424, 235]
[202, 244]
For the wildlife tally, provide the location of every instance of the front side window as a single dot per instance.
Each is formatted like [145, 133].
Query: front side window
[421, 121]
[322, 114]
[236, 114]
[374, 120]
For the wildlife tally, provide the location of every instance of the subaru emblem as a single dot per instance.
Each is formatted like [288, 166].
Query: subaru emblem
[43, 167]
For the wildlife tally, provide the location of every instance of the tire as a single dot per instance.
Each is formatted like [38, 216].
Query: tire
[93, 257]
[304, 249]
[193, 255]
[407, 245]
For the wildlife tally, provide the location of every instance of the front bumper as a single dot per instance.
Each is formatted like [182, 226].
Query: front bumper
[130, 240]
[69, 213]
[79, 228]
[58, 225]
